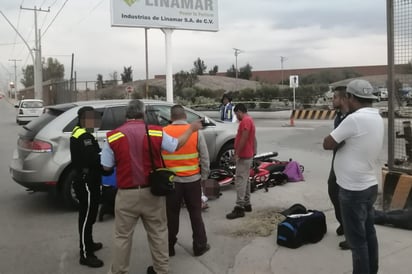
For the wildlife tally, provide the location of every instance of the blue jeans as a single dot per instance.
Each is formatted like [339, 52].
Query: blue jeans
[358, 222]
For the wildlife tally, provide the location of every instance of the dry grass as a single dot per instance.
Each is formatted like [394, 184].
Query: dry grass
[260, 223]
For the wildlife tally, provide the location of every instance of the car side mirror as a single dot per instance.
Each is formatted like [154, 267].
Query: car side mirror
[16, 106]
[205, 121]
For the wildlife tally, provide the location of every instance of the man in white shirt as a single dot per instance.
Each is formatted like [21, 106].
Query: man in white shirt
[358, 141]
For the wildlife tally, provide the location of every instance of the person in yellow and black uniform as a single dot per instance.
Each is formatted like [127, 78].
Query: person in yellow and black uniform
[84, 151]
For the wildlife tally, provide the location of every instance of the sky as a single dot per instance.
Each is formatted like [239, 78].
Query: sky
[307, 33]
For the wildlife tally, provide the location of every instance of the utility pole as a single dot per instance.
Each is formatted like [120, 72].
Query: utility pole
[15, 76]
[38, 67]
[237, 52]
[147, 64]
[282, 59]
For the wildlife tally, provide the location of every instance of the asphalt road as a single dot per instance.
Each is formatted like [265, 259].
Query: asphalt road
[39, 236]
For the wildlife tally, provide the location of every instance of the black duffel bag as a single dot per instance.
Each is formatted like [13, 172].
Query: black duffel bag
[299, 229]
[161, 181]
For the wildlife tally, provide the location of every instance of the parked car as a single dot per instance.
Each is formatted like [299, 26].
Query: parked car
[42, 162]
[28, 109]
[382, 94]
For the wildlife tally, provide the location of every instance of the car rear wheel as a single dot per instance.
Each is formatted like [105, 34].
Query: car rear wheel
[67, 191]
[225, 157]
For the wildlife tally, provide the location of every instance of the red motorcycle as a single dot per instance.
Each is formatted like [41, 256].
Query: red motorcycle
[266, 171]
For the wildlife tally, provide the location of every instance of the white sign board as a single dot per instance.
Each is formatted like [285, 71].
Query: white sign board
[170, 14]
[294, 81]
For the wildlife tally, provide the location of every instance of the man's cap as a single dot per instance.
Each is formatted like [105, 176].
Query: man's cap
[360, 88]
[84, 109]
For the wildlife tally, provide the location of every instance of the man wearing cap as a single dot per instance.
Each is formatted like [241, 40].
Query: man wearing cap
[358, 141]
[84, 151]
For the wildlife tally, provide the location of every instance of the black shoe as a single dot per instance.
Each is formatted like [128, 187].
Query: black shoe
[91, 261]
[339, 230]
[171, 251]
[344, 245]
[97, 246]
[201, 251]
[237, 212]
[248, 208]
[150, 270]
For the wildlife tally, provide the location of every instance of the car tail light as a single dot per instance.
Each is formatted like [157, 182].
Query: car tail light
[35, 145]
[20, 111]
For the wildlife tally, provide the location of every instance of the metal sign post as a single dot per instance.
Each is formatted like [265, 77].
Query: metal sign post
[294, 83]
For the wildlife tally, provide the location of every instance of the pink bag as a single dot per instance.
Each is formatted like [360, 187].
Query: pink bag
[294, 172]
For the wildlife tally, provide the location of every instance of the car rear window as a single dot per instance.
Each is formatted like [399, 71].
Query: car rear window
[32, 104]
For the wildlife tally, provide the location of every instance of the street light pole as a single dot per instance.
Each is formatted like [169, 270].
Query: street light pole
[282, 59]
[237, 52]
[15, 76]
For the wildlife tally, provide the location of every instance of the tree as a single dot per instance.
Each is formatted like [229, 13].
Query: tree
[127, 75]
[231, 72]
[99, 82]
[53, 70]
[28, 76]
[184, 79]
[245, 72]
[113, 79]
[199, 67]
[214, 70]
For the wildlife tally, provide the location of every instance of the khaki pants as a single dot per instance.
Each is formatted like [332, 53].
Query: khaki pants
[242, 182]
[130, 205]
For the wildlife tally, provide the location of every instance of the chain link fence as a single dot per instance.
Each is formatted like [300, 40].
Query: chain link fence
[399, 26]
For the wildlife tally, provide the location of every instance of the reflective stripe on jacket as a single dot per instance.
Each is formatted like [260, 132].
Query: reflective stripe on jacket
[131, 152]
[78, 131]
[185, 161]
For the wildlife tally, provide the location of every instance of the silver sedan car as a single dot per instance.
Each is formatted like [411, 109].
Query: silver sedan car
[41, 161]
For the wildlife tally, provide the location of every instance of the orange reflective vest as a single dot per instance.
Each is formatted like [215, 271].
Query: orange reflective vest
[185, 161]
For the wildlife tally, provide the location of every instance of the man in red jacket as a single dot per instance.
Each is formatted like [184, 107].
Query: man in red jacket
[127, 148]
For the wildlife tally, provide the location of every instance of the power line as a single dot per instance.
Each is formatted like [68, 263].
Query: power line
[53, 3]
[42, 3]
[95, 7]
[15, 36]
[55, 17]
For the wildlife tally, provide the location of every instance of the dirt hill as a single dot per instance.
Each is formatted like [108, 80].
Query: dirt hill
[211, 82]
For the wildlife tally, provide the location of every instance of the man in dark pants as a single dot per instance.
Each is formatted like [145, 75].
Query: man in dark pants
[340, 104]
[359, 141]
[85, 157]
[191, 165]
